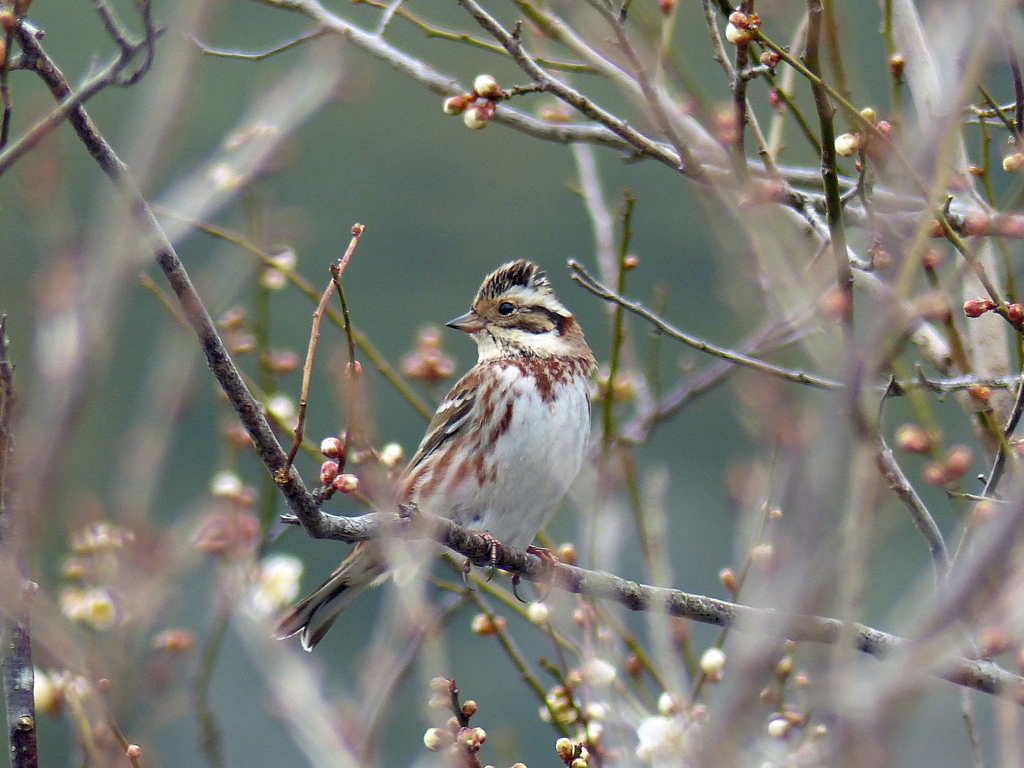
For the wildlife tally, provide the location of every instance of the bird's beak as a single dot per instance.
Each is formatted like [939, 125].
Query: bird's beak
[470, 322]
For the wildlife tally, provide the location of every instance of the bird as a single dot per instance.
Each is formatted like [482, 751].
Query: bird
[504, 445]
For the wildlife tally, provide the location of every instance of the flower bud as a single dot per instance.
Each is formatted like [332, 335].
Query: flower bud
[328, 471]
[980, 392]
[174, 641]
[281, 361]
[391, 455]
[915, 439]
[847, 144]
[670, 704]
[487, 87]
[728, 579]
[762, 553]
[565, 750]
[897, 63]
[283, 408]
[566, 554]
[345, 483]
[978, 307]
[473, 119]
[598, 673]
[1015, 314]
[538, 613]
[436, 739]
[469, 709]
[456, 105]
[737, 35]
[48, 692]
[483, 626]
[958, 461]
[713, 661]
[225, 485]
[934, 473]
[332, 447]
[441, 684]
[783, 667]
[769, 58]
[778, 728]
[1013, 163]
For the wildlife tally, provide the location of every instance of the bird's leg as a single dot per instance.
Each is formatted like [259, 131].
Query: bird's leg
[493, 550]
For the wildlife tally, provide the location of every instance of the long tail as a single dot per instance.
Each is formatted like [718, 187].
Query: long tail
[317, 612]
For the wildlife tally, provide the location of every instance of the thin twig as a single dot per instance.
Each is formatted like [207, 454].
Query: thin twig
[598, 289]
[228, 53]
[1011, 424]
[70, 107]
[307, 368]
[393, 377]
[518, 660]
[684, 163]
[919, 514]
[1018, 89]
[16, 658]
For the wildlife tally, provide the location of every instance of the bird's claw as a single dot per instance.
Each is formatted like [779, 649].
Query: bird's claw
[493, 553]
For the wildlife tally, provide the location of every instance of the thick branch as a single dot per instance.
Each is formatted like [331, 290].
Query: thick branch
[980, 675]
[246, 406]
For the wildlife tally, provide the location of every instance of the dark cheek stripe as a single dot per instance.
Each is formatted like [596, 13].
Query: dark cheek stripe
[555, 321]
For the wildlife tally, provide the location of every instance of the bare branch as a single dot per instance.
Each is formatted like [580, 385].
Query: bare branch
[18, 679]
[983, 676]
[598, 289]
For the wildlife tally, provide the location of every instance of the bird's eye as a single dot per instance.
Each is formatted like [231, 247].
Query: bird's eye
[506, 308]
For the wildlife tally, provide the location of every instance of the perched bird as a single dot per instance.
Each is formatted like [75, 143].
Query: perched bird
[503, 447]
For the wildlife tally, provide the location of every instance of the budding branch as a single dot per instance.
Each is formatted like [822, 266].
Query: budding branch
[412, 523]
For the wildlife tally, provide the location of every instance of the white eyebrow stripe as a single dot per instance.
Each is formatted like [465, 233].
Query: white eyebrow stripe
[530, 296]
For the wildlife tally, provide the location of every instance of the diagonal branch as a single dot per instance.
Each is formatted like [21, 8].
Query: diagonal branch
[685, 163]
[249, 411]
[598, 289]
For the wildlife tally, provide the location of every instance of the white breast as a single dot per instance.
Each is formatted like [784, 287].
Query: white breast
[531, 465]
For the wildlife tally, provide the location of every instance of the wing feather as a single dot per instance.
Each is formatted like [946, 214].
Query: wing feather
[451, 418]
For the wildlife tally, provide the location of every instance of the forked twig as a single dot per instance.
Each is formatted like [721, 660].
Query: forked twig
[314, 336]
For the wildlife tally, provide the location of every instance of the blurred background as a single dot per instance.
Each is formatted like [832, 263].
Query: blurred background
[149, 438]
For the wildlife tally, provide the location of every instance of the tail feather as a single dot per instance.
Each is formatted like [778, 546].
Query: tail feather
[317, 612]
